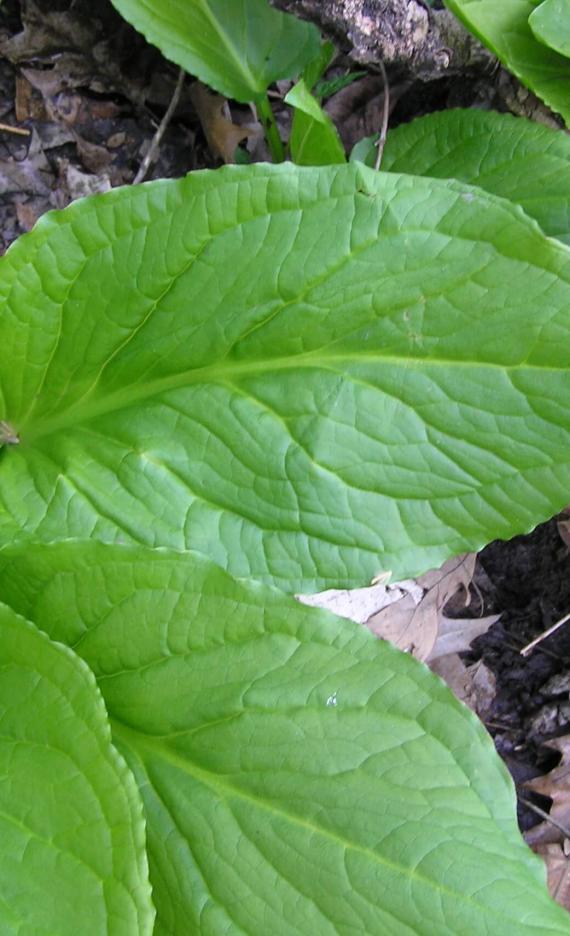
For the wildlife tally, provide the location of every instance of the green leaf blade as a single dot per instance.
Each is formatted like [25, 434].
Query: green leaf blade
[296, 772]
[504, 28]
[314, 138]
[550, 23]
[504, 155]
[238, 49]
[326, 373]
[73, 840]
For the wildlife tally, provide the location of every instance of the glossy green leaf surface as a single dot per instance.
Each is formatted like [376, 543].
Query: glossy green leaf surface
[238, 47]
[550, 23]
[505, 155]
[314, 139]
[503, 26]
[73, 856]
[308, 375]
[298, 775]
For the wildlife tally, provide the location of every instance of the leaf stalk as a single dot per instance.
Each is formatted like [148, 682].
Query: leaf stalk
[271, 130]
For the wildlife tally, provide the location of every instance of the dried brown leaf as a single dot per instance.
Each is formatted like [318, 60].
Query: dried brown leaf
[455, 635]
[410, 613]
[28, 106]
[564, 531]
[359, 604]
[223, 136]
[31, 175]
[555, 785]
[27, 215]
[80, 184]
[558, 871]
[414, 625]
[474, 685]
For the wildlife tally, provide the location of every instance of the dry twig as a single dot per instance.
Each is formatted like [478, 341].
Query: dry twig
[546, 816]
[160, 130]
[551, 630]
[8, 128]
[385, 115]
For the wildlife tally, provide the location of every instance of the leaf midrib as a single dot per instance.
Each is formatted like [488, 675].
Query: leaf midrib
[239, 61]
[137, 742]
[224, 373]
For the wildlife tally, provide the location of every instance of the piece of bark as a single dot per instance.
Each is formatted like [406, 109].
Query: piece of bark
[404, 34]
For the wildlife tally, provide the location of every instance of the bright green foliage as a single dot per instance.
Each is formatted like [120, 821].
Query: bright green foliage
[238, 47]
[550, 23]
[298, 775]
[308, 375]
[316, 68]
[73, 856]
[505, 155]
[314, 138]
[503, 25]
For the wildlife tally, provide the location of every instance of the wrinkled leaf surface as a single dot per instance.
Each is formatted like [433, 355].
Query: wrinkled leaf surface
[309, 375]
[298, 775]
[504, 155]
[73, 854]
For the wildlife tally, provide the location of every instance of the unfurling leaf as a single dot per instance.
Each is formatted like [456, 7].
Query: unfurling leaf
[314, 138]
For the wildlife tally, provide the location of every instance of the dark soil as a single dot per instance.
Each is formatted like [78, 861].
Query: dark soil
[89, 93]
[527, 581]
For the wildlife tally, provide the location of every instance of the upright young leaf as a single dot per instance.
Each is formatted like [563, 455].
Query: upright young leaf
[314, 138]
[298, 775]
[73, 854]
[503, 25]
[238, 47]
[505, 155]
[307, 374]
[550, 23]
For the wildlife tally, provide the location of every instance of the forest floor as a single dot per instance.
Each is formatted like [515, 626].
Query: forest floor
[81, 96]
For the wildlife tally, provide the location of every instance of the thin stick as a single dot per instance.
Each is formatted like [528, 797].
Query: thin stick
[160, 130]
[546, 816]
[551, 630]
[21, 131]
[385, 116]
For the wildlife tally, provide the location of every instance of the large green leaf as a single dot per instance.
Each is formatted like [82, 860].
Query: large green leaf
[503, 25]
[238, 47]
[298, 775]
[550, 23]
[505, 155]
[73, 856]
[307, 374]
